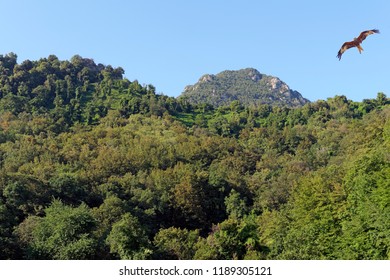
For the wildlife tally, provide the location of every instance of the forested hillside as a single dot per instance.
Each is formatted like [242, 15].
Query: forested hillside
[94, 166]
[75, 91]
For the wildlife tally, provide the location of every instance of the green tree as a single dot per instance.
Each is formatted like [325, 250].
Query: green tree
[8, 243]
[68, 188]
[200, 120]
[313, 214]
[236, 206]
[175, 243]
[128, 240]
[64, 233]
[232, 239]
[366, 226]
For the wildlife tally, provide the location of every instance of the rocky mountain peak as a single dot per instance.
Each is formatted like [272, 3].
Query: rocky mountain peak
[247, 85]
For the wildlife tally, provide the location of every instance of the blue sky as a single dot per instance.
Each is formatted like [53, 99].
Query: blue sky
[171, 43]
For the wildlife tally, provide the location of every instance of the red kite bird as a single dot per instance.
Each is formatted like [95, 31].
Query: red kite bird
[356, 42]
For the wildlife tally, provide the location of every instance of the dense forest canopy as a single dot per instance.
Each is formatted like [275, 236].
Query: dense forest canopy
[94, 166]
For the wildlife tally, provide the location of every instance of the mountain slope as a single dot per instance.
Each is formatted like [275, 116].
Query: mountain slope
[75, 91]
[248, 86]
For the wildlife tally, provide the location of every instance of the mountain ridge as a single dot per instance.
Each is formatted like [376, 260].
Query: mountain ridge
[247, 85]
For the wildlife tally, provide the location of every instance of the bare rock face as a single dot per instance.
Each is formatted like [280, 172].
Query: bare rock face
[248, 86]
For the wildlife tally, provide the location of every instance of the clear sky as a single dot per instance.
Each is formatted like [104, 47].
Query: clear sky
[171, 43]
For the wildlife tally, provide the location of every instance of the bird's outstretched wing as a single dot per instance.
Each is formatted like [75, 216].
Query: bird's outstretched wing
[346, 46]
[364, 34]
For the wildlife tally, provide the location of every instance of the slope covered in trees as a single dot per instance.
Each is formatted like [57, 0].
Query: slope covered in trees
[75, 91]
[169, 181]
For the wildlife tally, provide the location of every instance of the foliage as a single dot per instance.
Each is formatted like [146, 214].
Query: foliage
[127, 239]
[64, 233]
[93, 166]
[175, 243]
[77, 91]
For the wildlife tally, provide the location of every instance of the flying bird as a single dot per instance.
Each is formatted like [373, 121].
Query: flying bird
[356, 42]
